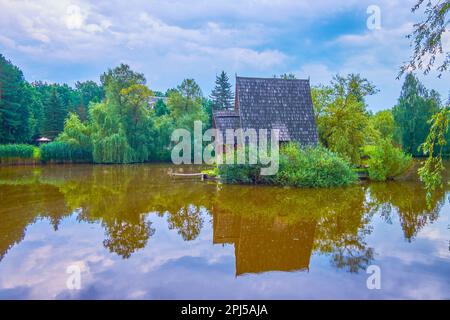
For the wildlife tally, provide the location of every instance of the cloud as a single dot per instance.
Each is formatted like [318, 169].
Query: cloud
[69, 40]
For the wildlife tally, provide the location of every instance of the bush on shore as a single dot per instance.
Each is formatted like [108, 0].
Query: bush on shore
[18, 154]
[63, 152]
[314, 167]
[386, 161]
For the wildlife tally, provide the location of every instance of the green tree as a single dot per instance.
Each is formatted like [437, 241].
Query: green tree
[415, 107]
[14, 113]
[431, 170]
[88, 91]
[341, 115]
[122, 128]
[55, 113]
[76, 132]
[33, 99]
[222, 96]
[185, 104]
[383, 122]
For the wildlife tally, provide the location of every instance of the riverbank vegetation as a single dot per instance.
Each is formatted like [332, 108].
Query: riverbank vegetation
[121, 120]
[298, 167]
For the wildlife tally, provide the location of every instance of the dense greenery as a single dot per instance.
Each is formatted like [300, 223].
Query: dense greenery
[386, 161]
[342, 117]
[299, 167]
[14, 116]
[431, 171]
[123, 121]
[17, 153]
[415, 107]
[62, 152]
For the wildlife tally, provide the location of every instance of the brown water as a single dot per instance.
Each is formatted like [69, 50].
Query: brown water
[134, 232]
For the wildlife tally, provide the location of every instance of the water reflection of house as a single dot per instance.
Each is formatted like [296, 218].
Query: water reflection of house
[263, 245]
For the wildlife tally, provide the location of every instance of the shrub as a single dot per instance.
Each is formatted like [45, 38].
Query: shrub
[63, 152]
[17, 153]
[386, 161]
[299, 167]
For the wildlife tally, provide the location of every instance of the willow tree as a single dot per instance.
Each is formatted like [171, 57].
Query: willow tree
[427, 39]
[122, 127]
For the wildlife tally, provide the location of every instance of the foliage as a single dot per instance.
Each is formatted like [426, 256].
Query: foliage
[122, 127]
[17, 151]
[88, 91]
[341, 115]
[386, 161]
[14, 112]
[415, 107]
[63, 152]
[54, 115]
[430, 172]
[313, 167]
[383, 123]
[300, 167]
[75, 132]
[222, 96]
[427, 38]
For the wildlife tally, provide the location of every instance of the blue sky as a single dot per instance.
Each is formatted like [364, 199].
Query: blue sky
[68, 40]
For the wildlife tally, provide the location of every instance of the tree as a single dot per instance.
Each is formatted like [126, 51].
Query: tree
[55, 112]
[415, 107]
[76, 133]
[122, 128]
[384, 123]
[185, 104]
[122, 76]
[427, 38]
[14, 113]
[88, 92]
[341, 116]
[189, 89]
[430, 172]
[222, 96]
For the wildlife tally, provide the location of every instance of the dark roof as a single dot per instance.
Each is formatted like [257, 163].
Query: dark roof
[226, 119]
[272, 103]
[266, 103]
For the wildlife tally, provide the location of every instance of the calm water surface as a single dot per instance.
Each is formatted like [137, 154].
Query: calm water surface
[137, 233]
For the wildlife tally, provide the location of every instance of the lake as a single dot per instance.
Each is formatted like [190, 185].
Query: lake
[134, 232]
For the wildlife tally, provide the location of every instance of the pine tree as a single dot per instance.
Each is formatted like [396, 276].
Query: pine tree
[222, 95]
[55, 113]
[14, 114]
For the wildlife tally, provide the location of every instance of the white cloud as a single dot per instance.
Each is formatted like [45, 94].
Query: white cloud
[171, 40]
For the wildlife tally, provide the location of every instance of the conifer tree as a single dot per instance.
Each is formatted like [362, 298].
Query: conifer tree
[14, 114]
[222, 96]
[55, 113]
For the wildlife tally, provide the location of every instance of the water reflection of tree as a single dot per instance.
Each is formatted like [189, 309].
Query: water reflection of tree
[124, 237]
[337, 221]
[408, 200]
[22, 205]
[188, 221]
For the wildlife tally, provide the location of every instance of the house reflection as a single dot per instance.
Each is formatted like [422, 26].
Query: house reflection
[262, 245]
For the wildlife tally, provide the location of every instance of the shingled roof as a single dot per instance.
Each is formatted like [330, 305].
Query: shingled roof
[272, 103]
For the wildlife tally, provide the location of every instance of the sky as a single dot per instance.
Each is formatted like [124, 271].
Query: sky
[168, 41]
